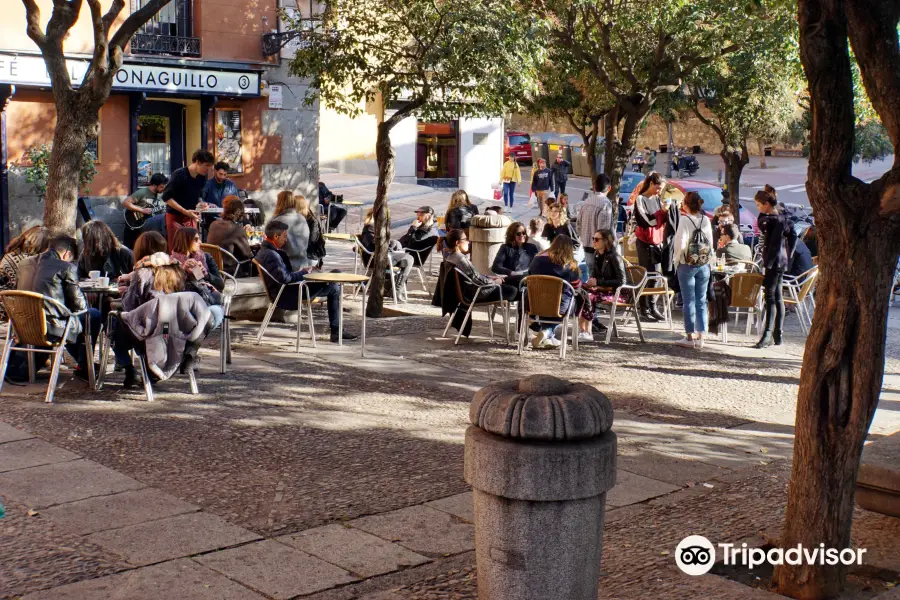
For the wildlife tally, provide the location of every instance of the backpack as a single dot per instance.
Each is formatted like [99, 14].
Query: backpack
[699, 249]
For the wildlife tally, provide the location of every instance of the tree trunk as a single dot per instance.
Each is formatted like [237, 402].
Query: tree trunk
[384, 154]
[591, 146]
[671, 147]
[859, 241]
[734, 167]
[75, 125]
[762, 153]
[617, 153]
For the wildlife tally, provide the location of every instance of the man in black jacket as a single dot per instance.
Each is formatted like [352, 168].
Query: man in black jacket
[560, 175]
[421, 236]
[326, 199]
[274, 260]
[56, 276]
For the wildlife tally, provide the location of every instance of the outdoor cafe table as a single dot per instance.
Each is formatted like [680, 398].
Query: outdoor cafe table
[339, 237]
[341, 279]
[207, 213]
[94, 292]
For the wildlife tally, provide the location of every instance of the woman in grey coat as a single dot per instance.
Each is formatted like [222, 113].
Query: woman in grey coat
[292, 210]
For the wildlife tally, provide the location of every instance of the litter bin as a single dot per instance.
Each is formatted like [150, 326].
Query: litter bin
[486, 234]
[580, 165]
[539, 147]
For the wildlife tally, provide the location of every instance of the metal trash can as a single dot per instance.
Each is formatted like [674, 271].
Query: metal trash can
[579, 161]
[540, 147]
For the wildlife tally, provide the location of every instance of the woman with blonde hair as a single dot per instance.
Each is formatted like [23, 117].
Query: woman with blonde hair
[399, 258]
[557, 261]
[460, 211]
[293, 210]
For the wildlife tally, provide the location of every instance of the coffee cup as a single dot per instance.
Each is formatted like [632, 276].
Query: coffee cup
[94, 275]
[102, 281]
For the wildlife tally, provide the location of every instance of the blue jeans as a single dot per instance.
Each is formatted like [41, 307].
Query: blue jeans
[694, 282]
[509, 192]
[218, 314]
[76, 350]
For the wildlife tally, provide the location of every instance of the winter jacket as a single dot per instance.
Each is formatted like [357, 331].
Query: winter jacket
[608, 269]
[561, 171]
[183, 316]
[779, 240]
[650, 219]
[298, 237]
[422, 239]
[542, 180]
[230, 236]
[511, 172]
[514, 260]
[460, 217]
[58, 279]
[278, 265]
[118, 262]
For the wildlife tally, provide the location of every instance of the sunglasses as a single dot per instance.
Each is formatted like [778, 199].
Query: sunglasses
[596, 239]
[520, 233]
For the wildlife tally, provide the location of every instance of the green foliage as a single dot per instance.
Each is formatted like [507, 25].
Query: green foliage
[37, 171]
[754, 91]
[440, 59]
[871, 142]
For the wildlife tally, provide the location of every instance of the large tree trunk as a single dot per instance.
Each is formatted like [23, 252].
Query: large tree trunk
[74, 127]
[384, 154]
[857, 225]
[671, 147]
[618, 152]
[761, 144]
[734, 167]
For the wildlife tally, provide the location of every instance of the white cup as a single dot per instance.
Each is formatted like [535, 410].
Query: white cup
[102, 282]
[94, 275]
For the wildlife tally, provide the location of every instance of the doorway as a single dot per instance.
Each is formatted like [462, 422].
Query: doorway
[437, 154]
[161, 139]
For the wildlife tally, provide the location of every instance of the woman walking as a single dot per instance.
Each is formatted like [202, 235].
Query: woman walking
[693, 249]
[510, 175]
[778, 242]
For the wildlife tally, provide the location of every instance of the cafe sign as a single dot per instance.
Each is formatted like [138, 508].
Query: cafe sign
[31, 71]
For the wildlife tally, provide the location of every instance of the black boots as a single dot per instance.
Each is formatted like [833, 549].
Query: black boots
[776, 338]
[131, 379]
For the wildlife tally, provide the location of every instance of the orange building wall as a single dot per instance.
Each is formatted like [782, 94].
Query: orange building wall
[257, 149]
[31, 119]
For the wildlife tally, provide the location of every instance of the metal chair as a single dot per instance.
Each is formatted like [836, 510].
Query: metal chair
[225, 330]
[28, 328]
[419, 258]
[544, 295]
[798, 293]
[746, 294]
[660, 288]
[263, 273]
[142, 359]
[219, 254]
[635, 280]
[456, 285]
[752, 267]
[368, 258]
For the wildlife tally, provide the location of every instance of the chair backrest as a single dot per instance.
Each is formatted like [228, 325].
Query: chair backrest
[629, 252]
[26, 313]
[215, 252]
[808, 283]
[635, 275]
[262, 277]
[544, 295]
[751, 266]
[745, 289]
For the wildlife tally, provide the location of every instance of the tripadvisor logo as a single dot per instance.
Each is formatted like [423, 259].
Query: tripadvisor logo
[696, 555]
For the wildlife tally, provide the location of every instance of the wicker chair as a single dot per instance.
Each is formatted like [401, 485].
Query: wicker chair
[28, 329]
[798, 292]
[219, 254]
[273, 302]
[746, 294]
[542, 295]
[457, 286]
[660, 288]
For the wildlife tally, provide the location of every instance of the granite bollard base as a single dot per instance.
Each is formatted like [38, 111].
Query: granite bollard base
[540, 457]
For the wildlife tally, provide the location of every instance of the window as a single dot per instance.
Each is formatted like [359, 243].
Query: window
[170, 31]
[516, 140]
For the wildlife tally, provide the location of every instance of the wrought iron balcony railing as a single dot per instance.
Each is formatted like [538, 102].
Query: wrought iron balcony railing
[149, 43]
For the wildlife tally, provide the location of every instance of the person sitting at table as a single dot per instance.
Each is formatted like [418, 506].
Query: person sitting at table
[399, 258]
[560, 224]
[422, 235]
[536, 233]
[801, 259]
[101, 251]
[515, 255]
[326, 199]
[276, 262]
[56, 276]
[24, 246]
[607, 275]
[293, 210]
[147, 244]
[28, 266]
[730, 248]
[557, 261]
[219, 187]
[230, 235]
[460, 211]
[203, 276]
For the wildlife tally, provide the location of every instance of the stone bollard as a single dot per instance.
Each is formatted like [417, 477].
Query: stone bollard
[540, 458]
[486, 234]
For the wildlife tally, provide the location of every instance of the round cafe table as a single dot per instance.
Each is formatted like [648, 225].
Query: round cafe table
[342, 279]
[95, 293]
[339, 237]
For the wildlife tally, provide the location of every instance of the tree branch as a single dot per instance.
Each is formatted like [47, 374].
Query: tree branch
[135, 21]
[33, 19]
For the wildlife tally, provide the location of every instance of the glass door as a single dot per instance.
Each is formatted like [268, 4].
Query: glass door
[154, 148]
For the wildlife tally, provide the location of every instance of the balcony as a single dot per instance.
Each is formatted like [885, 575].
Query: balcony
[171, 45]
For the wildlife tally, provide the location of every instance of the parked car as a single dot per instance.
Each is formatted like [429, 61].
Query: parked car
[630, 180]
[518, 144]
[713, 198]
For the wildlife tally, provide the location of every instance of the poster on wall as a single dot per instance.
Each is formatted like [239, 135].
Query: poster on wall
[228, 140]
[276, 97]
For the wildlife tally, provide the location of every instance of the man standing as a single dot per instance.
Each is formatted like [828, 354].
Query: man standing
[57, 278]
[541, 183]
[219, 187]
[596, 213]
[183, 193]
[274, 260]
[142, 202]
[510, 175]
[560, 174]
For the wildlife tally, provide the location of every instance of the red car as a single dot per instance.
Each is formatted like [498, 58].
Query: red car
[518, 145]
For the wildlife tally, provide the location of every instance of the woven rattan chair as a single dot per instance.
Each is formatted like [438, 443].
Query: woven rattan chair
[219, 254]
[542, 295]
[658, 285]
[746, 295]
[28, 332]
[273, 303]
[457, 285]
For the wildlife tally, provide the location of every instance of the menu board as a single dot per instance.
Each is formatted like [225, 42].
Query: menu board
[228, 140]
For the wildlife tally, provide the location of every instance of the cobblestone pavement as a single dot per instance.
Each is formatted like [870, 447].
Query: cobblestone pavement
[268, 459]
